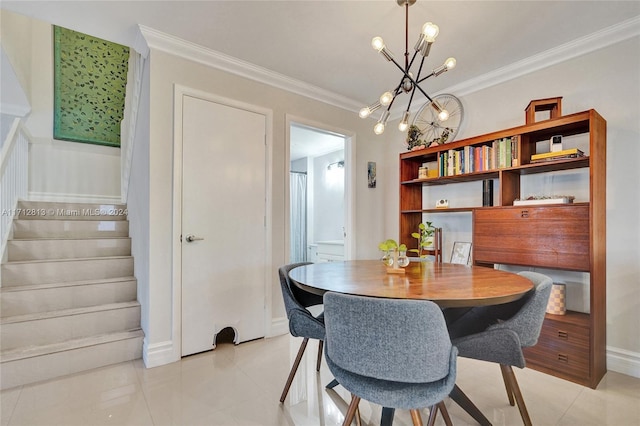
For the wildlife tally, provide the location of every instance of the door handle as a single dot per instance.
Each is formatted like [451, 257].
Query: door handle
[191, 238]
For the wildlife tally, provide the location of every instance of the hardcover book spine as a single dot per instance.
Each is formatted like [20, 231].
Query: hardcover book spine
[487, 193]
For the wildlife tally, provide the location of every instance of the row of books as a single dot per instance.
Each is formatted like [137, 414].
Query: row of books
[500, 154]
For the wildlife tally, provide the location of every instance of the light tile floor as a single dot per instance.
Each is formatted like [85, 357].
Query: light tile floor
[241, 385]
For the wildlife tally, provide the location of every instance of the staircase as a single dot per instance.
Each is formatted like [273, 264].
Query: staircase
[68, 294]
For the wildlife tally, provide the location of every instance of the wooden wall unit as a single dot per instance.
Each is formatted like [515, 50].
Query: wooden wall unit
[561, 236]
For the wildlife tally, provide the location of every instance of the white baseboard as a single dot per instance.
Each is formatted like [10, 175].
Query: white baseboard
[74, 198]
[623, 361]
[157, 354]
[279, 326]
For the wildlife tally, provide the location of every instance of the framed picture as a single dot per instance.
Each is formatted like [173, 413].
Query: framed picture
[90, 79]
[460, 253]
[371, 174]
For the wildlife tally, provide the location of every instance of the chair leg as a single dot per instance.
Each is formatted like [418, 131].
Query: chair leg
[507, 386]
[294, 368]
[353, 407]
[415, 416]
[507, 371]
[433, 413]
[320, 345]
[445, 413]
[332, 384]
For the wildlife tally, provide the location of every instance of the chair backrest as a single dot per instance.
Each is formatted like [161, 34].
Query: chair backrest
[527, 321]
[388, 339]
[295, 298]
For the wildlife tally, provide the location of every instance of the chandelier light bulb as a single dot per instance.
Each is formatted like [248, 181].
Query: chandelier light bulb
[443, 115]
[365, 112]
[386, 98]
[450, 63]
[368, 110]
[378, 129]
[430, 31]
[377, 43]
[404, 124]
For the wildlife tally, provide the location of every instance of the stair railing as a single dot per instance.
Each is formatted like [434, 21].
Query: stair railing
[14, 175]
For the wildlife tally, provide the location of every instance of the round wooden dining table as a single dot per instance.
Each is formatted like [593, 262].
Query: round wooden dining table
[448, 285]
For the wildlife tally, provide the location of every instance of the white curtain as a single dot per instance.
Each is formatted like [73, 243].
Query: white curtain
[298, 190]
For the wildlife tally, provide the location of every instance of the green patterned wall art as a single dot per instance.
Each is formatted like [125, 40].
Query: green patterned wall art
[90, 79]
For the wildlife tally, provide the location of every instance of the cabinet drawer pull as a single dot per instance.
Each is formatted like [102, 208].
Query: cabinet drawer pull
[563, 357]
[563, 334]
[524, 213]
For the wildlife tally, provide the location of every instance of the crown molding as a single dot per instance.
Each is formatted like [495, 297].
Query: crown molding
[581, 46]
[191, 51]
[564, 52]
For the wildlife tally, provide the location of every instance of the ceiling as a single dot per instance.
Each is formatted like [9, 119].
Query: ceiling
[309, 142]
[326, 43]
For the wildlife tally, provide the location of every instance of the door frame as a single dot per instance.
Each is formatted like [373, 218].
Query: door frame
[349, 183]
[176, 280]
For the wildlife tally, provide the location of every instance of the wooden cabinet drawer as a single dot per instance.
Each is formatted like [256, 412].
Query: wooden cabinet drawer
[544, 236]
[562, 347]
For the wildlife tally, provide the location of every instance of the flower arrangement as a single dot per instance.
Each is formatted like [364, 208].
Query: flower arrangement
[394, 256]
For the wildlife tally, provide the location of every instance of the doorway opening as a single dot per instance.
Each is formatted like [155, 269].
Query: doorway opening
[319, 194]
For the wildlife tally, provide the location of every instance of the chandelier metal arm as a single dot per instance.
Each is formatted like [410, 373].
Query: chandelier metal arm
[414, 86]
[424, 78]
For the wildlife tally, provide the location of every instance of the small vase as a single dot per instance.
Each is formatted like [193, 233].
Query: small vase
[403, 260]
[387, 259]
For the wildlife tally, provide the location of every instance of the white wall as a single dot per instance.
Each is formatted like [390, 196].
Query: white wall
[138, 206]
[58, 170]
[607, 80]
[328, 198]
[167, 70]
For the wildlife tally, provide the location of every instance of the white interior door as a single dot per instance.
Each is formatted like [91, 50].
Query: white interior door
[223, 214]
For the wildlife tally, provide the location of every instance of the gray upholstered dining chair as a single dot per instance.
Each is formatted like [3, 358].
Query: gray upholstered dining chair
[391, 352]
[301, 322]
[498, 334]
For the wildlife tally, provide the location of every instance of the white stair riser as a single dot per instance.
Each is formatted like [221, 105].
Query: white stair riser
[66, 297]
[45, 272]
[73, 257]
[39, 210]
[69, 228]
[30, 370]
[51, 330]
[67, 248]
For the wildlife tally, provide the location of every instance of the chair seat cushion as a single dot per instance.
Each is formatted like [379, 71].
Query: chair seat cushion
[396, 394]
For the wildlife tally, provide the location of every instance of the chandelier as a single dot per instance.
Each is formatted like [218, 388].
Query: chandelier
[409, 82]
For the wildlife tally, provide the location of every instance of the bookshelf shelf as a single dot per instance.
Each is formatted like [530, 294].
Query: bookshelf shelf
[479, 208]
[568, 237]
[550, 166]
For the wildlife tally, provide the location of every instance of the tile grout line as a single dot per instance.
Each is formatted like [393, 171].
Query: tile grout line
[13, 409]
